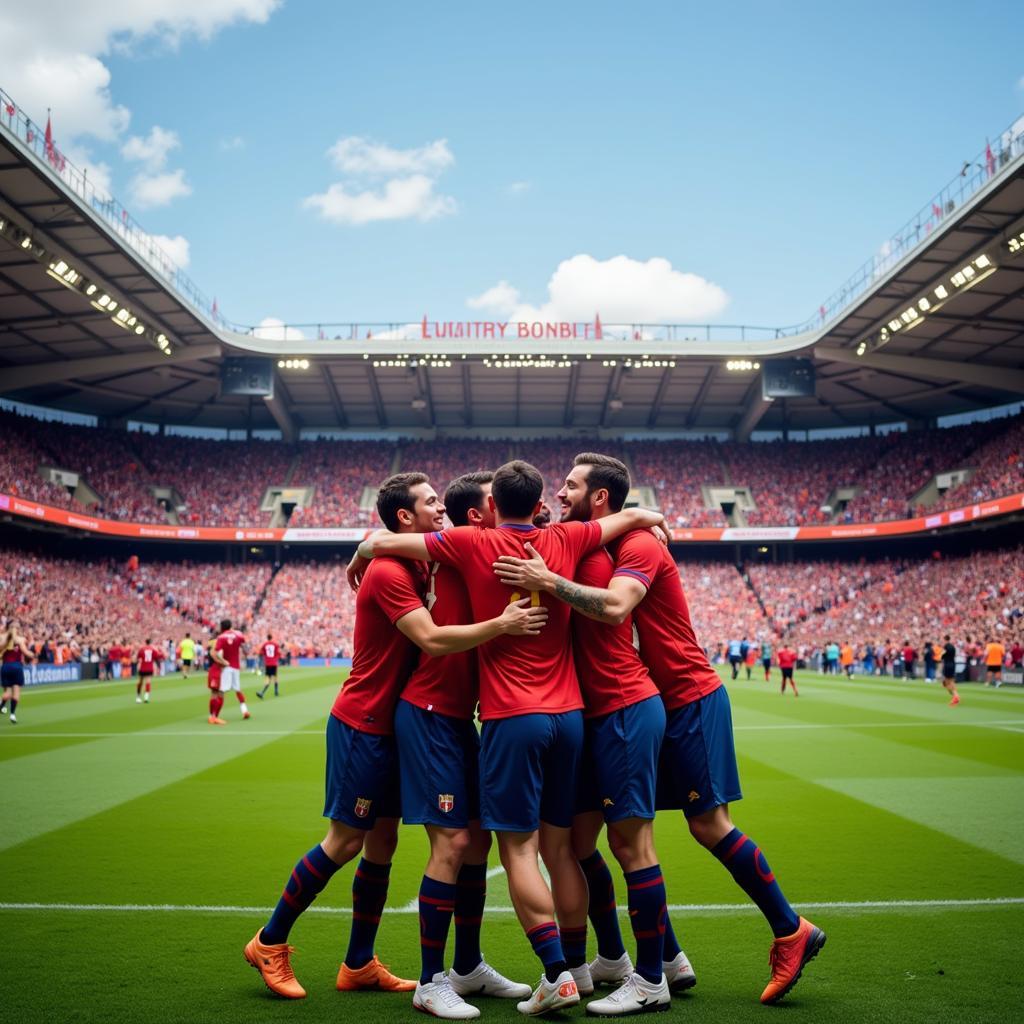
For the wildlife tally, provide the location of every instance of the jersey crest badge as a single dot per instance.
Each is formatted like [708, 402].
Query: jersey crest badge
[607, 802]
[362, 806]
[446, 802]
[694, 795]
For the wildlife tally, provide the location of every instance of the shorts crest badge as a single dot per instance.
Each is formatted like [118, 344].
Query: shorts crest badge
[446, 802]
[362, 806]
[694, 795]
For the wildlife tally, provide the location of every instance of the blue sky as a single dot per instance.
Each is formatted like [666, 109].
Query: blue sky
[765, 149]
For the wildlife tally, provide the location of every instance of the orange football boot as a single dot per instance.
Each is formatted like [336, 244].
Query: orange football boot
[214, 720]
[274, 966]
[788, 958]
[372, 975]
[956, 700]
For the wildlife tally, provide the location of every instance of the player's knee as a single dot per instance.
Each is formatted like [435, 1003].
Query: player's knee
[342, 846]
[711, 828]
[480, 843]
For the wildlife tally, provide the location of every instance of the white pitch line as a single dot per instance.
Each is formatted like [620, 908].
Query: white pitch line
[412, 908]
[1012, 725]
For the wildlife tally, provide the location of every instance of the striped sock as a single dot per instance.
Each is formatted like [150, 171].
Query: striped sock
[471, 893]
[602, 911]
[747, 865]
[307, 880]
[647, 914]
[574, 945]
[369, 894]
[548, 946]
[437, 904]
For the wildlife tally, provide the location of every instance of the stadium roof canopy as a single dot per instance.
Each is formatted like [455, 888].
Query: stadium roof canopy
[934, 327]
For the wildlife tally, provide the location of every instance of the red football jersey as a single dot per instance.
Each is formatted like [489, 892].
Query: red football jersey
[612, 676]
[787, 658]
[229, 644]
[520, 675]
[213, 675]
[668, 645]
[383, 657]
[448, 684]
[114, 652]
[270, 652]
[147, 659]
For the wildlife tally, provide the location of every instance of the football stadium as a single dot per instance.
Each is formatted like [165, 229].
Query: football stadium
[360, 667]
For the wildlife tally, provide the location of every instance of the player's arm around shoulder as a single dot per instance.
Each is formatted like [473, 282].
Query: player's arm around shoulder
[518, 618]
[611, 605]
[629, 519]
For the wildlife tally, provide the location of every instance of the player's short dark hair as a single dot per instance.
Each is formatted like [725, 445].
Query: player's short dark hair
[606, 472]
[187, 634]
[396, 493]
[270, 636]
[225, 625]
[516, 489]
[463, 493]
[149, 640]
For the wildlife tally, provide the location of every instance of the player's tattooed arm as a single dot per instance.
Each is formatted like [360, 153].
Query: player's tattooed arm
[589, 600]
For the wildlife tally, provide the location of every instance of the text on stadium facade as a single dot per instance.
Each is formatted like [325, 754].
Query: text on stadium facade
[507, 330]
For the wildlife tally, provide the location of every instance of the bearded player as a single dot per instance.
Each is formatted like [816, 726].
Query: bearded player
[362, 799]
[698, 770]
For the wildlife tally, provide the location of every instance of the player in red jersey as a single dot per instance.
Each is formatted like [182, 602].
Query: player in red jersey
[227, 652]
[15, 650]
[362, 800]
[270, 652]
[787, 661]
[624, 724]
[216, 700]
[530, 705]
[698, 764]
[147, 658]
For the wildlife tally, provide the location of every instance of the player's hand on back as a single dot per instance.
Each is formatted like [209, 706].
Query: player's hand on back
[520, 618]
[356, 568]
[661, 534]
[524, 573]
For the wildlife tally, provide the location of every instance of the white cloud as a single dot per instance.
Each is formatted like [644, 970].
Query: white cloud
[411, 198]
[621, 289]
[361, 157]
[51, 54]
[151, 150]
[409, 193]
[499, 298]
[517, 188]
[232, 143]
[176, 248]
[148, 190]
[272, 329]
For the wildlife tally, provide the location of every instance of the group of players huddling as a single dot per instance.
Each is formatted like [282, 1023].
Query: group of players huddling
[598, 707]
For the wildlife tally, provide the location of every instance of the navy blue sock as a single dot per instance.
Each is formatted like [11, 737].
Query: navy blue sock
[470, 895]
[603, 912]
[369, 894]
[437, 904]
[671, 949]
[548, 946]
[307, 880]
[647, 914]
[574, 945]
[748, 866]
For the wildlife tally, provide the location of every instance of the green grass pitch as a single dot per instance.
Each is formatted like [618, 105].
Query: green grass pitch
[140, 849]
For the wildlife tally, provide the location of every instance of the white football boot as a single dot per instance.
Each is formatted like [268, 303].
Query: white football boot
[635, 995]
[551, 995]
[610, 972]
[437, 997]
[679, 973]
[484, 980]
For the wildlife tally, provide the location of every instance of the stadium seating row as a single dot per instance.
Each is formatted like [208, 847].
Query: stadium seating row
[222, 483]
[82, 606]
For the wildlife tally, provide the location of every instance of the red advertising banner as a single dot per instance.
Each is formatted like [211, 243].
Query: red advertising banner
[351, 535]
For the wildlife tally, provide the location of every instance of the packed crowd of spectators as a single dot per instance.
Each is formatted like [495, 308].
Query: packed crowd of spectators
[310, 609]
[999, 470]
[339, 470]
[676, 470]
[222, 483]
[720, 602]
[82, 607]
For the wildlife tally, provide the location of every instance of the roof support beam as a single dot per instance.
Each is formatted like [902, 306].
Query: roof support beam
[659, 397]
[702, 394]
[1002, 378]
[755, 406]
[467, 399]
[282, 417]
[332, 391]
[570, 396]
[14, 378]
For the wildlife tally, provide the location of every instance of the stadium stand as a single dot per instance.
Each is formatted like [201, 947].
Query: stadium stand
[223, 483]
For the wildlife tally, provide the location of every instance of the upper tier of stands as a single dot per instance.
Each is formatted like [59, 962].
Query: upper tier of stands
[224, 483]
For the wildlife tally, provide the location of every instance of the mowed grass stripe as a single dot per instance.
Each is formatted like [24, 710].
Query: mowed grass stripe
[80, 780]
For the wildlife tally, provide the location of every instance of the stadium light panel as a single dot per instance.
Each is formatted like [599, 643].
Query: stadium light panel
[862, 348]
